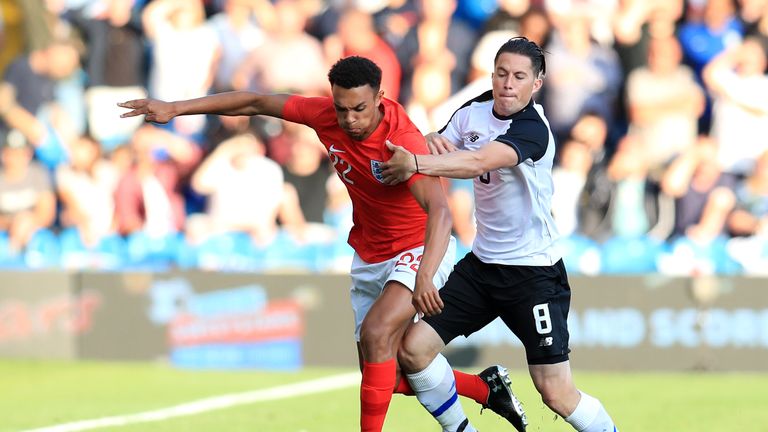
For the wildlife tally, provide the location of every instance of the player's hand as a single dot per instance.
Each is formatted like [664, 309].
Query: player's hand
[153, 110]
[400, 167]
[426, 298]
[439, 144]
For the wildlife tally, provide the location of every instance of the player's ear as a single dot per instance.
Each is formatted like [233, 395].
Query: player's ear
[379, 95]
[537, 83]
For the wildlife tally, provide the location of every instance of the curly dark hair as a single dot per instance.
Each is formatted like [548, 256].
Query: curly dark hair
[355, 71]
[523, 46]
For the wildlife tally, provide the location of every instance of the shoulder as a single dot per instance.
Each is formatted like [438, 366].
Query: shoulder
[482, 102]
[530, 121]
[309, 102]
[397, 118]
[528, 132]
[308, 110]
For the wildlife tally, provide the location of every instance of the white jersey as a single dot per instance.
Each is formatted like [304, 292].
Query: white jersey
[512, 204]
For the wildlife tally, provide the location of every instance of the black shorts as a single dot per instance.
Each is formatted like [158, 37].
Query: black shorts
[533, 301]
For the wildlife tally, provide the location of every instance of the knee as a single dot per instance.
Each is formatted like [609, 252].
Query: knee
[376, 336]
[409, 355]
[417, 350]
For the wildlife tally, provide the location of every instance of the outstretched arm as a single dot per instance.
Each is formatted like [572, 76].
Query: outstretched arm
[229, 103]
[429, 193]
[456, 164]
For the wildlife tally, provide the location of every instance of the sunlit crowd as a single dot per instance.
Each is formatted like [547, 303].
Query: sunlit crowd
[659, 109]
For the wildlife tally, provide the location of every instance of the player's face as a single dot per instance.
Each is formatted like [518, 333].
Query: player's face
[513, 83]
[357, 110]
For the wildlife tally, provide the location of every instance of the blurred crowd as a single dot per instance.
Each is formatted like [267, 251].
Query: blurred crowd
[659, 108]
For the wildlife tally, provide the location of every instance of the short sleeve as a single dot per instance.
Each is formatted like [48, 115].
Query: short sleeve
[451, 133]
[303, 110]
[529, 138]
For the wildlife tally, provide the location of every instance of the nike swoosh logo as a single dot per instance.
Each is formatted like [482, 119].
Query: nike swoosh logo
[333, 149]
[399, 270]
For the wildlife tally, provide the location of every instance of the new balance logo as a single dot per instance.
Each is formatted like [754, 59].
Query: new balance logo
[545, 341]
[474, 137]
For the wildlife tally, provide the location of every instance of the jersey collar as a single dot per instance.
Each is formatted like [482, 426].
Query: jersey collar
[513, 115]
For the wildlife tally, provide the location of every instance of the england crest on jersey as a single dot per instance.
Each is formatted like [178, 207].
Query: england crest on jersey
[376, 170]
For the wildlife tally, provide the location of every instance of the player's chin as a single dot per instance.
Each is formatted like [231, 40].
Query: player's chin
[355, 134]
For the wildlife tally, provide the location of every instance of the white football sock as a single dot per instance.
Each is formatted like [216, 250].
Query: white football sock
[435, 388]
[590, 416]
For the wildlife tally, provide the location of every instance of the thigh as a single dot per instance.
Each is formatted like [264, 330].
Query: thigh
[367, 284]
[536, 308]
[467, 305]
[392, 310]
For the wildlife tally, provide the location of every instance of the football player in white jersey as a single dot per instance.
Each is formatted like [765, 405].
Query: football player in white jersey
[501, 139]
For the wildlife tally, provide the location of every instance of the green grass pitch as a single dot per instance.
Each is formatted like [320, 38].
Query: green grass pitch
[35, 394]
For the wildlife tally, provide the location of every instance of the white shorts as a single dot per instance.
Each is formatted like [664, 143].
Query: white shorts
[368, 280]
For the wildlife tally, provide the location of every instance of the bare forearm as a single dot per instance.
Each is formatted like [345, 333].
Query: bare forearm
[18, 118]
[438, 234]
[230, 103]
[458, 164]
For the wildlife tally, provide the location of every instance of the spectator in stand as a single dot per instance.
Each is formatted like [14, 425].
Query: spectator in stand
[27, 201]
[395, 19]
[636, 22]
[705, 39]
[306, 173]
[748, 222]
[184, 55]
[34, 76]
[356, 35]
[239, 32]
[437, 37]
[50, 132]
[227, 177]
[148, 198]
[739, 85]
[703, 195]
[431, 86]
[582, 75]
[508, 16]
[592, 130]
[289, 60]
[86, 188]
[620, 200]
[750, 218]
[664, 103]
[115, 64]
[569, 178]
[535, 25]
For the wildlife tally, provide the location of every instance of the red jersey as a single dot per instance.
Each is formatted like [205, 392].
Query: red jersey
[387, 219]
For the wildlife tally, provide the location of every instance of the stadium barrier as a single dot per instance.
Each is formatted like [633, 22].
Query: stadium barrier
[200, 319]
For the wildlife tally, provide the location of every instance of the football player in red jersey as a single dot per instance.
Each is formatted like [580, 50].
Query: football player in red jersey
[401, 234]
